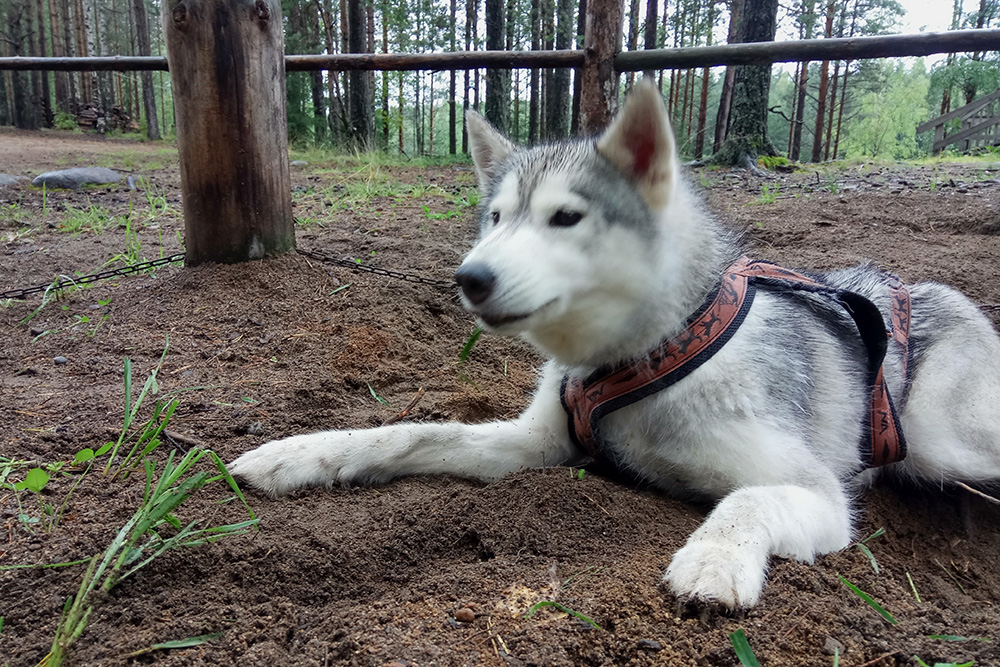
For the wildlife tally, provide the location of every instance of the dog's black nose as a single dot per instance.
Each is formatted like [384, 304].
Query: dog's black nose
[476, 281]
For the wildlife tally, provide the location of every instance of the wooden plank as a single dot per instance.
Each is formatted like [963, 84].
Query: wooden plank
[969, 133]
[961, 111]
[886, 46]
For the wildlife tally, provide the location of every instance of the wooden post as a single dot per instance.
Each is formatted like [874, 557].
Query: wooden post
[599, 79]
[227, 65]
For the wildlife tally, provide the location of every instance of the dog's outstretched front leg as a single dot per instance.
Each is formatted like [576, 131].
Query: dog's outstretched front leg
[481, 451]
[725, 560]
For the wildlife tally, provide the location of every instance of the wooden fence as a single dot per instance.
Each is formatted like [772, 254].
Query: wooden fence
[980, 125]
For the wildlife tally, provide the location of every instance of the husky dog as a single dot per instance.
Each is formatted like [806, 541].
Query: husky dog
[596, 251]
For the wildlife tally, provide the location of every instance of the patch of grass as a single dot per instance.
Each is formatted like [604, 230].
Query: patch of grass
[869, 601]
[561, 607]
[93, 219]
[147, 436]
[153, 530]
[741, 645]
[772, 162]
[12, 214]
[768, 194]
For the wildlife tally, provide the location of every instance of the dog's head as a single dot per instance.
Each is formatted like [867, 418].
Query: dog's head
[571, 233]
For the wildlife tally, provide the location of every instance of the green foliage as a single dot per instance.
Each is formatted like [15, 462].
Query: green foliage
[64, 121]
[889, 110]
[772, 162]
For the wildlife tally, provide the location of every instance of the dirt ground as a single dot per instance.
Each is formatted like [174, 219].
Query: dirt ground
[380, 576]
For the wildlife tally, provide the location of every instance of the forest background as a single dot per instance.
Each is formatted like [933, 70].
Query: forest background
[818, 110]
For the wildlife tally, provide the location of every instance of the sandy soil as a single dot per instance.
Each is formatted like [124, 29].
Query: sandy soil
[379, 576]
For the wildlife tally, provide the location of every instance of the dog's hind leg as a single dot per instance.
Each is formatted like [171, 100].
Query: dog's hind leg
[480, 451]
[952, 416]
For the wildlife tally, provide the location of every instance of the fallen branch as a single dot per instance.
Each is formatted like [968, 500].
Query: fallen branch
[406, 411]
[979, 493]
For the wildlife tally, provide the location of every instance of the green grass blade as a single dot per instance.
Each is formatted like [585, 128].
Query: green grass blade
[178, 643]
[869, 601]
[470, 343]
[561, 607]
[871, 557]
[742, 647]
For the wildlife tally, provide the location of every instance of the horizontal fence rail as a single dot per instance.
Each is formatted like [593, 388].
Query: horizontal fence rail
[850, 48]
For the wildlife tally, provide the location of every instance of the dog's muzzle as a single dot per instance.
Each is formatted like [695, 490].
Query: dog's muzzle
[477, 282]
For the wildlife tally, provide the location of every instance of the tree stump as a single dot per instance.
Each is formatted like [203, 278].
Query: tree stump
[226, 60]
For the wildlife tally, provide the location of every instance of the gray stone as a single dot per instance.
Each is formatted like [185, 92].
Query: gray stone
[72, 179]
[298, 163]
[60, 360]
[832, 646]
[10, 179]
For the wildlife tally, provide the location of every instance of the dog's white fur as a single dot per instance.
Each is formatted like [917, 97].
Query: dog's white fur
[770, 425]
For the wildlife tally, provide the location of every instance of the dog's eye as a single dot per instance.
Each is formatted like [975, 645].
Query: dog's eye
[563, 218]
[496, 217]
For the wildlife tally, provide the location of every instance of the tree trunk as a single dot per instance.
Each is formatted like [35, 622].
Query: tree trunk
[497, 80]
[148, 93]
[581, 26]
[46, 97]
[652, 13]
[799, 115]
[362, 125]
[726, 96]
[452, 82]
[600, 79]
[633, 36]
[748, 129]
[534, 97]
[824, 88]
[699, 141]
[227, 65]
[469, 10]
[557, 102]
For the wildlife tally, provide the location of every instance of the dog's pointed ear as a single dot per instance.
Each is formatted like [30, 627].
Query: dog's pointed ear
[488, 148]
[641, 144]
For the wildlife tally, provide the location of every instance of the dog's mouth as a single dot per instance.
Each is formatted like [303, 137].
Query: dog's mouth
[499, 320]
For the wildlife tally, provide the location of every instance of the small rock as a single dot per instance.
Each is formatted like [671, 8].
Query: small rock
[298, 163]
[72, 179]
[10, 179]
[60, 360]
[35, 332]
[650, 645]
[831, 646]
[465, 615]
[255, 428]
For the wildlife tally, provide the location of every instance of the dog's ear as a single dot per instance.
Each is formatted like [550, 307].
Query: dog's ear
[641, 144]
[488, 148]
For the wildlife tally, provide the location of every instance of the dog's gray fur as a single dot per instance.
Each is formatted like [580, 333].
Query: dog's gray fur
[770, 425]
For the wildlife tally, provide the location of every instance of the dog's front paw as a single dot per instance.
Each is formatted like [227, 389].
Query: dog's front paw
[283, 465]
[716, 571]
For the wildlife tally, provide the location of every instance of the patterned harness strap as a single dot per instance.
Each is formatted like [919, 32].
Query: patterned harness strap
[608, 389]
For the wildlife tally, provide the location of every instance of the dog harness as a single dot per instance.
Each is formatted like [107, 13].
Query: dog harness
[588, 400]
